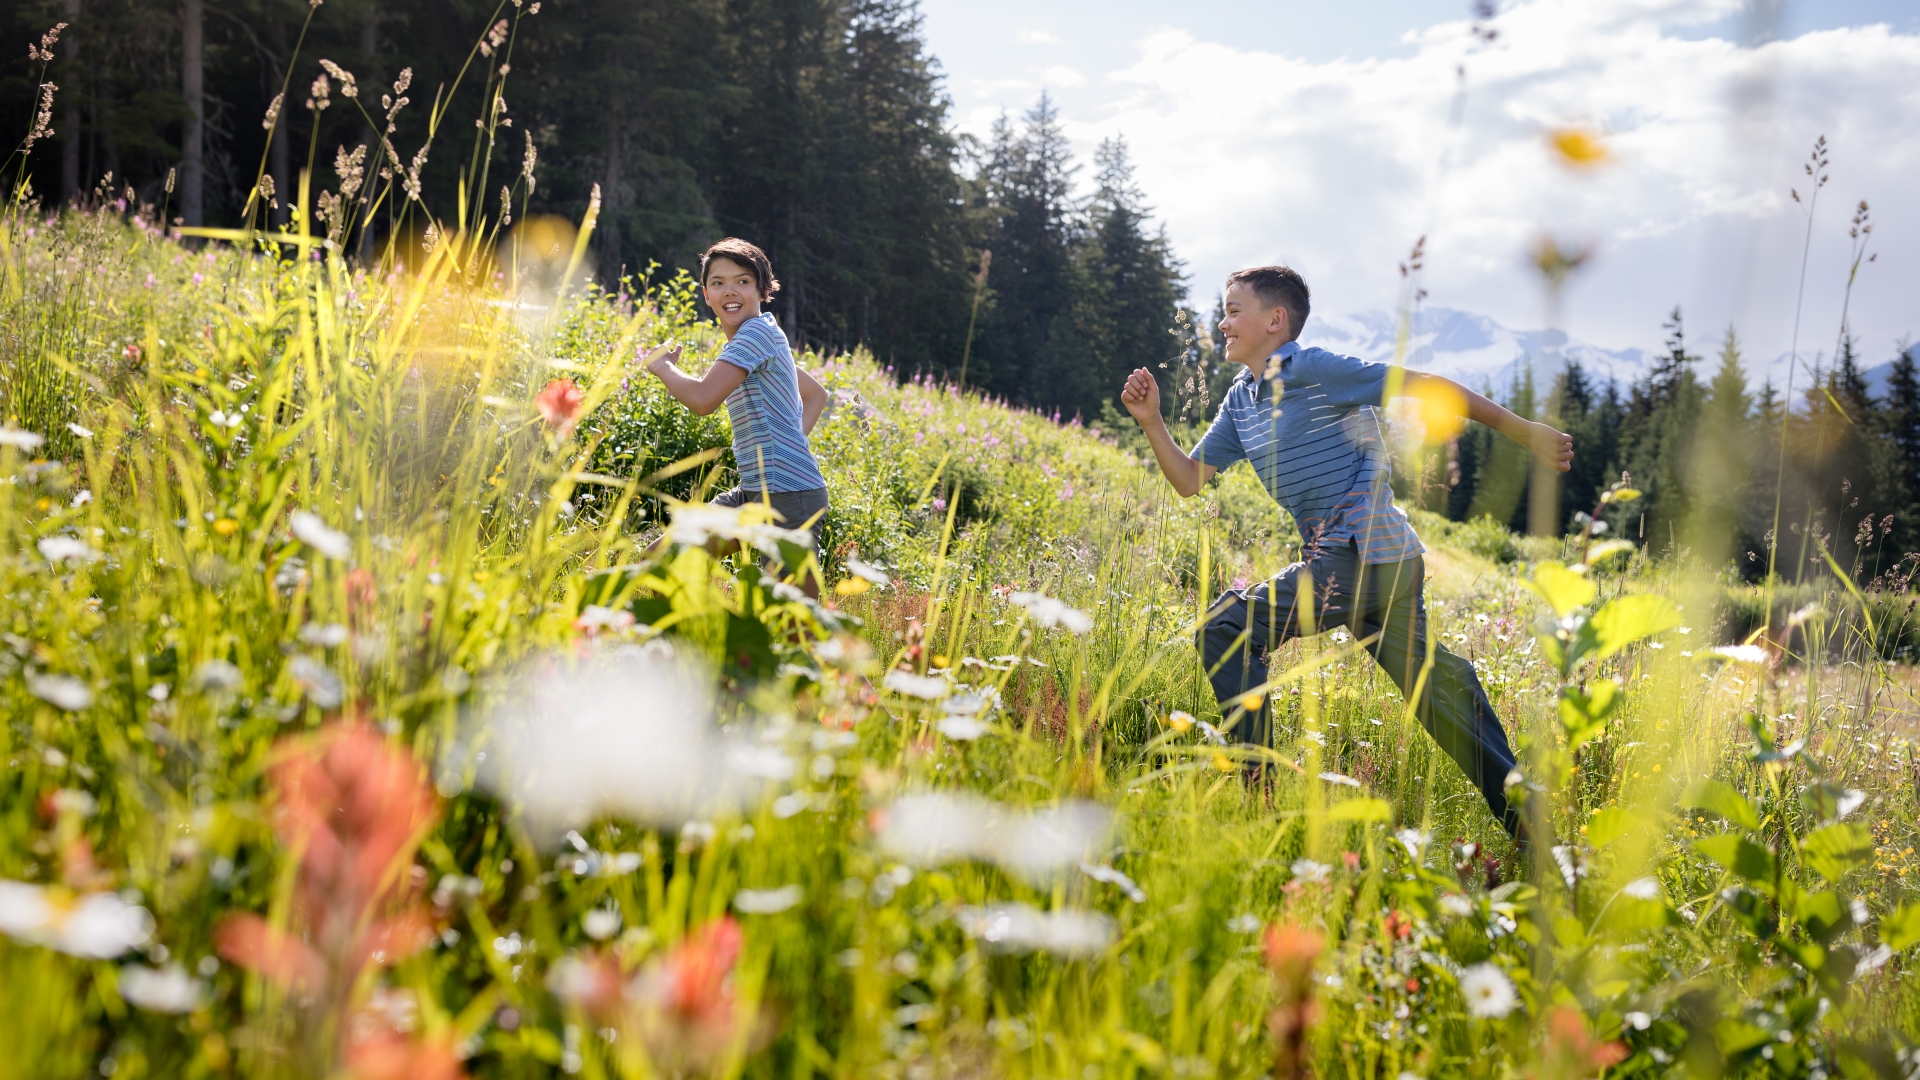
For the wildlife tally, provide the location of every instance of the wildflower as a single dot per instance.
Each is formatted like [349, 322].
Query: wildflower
[1339, 779]
[595, 618]
[767, 901]
[354, 808]
[1742, 654]
[1020, 928]
[934, 828]
[308, 528]
[600, 923]
[684, 1006]
[868, 572]
[962, 728]
[66, 549]
[98, 925]
[1103, 872]
[1310, 871]
[165, 990]
[1572, 1050]
[589, 982]
[1414, 840]
[1488, 992]
[751, 525]
[20, 440]
[1290, 953]
[1456, 905]
[559, 405]
[1180, 722]
[1245, 924]
[627, 729]
[1052, 613]
[1645, 888]
[216, 676]
[60, 691]
[80, 432]
[925, 687]
[1578, 147]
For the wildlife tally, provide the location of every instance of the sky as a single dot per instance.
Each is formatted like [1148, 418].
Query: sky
[1325, 136]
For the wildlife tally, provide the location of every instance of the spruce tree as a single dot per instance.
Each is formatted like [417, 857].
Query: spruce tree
[1130, 307]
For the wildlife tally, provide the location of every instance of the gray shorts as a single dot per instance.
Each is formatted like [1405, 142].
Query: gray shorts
[796, 508]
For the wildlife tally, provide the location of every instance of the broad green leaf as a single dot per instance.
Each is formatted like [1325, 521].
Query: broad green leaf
[1836, 849]
[1822, 914]
[1601, 552]
[1608, 825]
[1363, 809]
[1738, 854]
[1901, 929]
[1723, 801]
[1627, 619]
[1562, 589]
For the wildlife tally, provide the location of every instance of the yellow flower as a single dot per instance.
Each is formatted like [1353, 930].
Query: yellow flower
[1253, 701]
[941, 661]
[853, 586]
[226, 526]
[1180, 721]
[1225, 764]
[1579, 147]
[480, 575]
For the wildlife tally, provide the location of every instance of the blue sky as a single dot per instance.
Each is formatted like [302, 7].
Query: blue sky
[1318, 134]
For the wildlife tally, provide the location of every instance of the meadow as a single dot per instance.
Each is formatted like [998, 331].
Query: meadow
[357, 726]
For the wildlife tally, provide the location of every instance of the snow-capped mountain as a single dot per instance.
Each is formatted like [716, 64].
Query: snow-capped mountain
[1470, 348]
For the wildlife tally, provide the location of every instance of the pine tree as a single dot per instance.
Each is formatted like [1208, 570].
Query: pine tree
[1130, 308]
[1721, 462]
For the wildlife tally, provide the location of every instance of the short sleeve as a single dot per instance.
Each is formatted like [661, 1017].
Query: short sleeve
[1346, 381]
[1220, 446]
[751, 348]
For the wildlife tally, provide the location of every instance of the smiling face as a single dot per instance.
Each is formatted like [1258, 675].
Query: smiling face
[732, 291]
[1253, 330]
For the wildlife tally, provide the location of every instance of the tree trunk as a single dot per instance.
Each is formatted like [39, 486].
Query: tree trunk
[607, 230]
[70, 107]
[193, 89]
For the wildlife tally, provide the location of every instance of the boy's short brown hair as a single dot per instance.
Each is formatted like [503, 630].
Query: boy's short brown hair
[748, 255]
[1278, 286]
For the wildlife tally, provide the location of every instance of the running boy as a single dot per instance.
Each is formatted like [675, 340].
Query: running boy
[771, 401]
[1307, 420]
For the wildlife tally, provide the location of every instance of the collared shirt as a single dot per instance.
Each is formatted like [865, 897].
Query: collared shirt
[1311, 429]
[769, 448]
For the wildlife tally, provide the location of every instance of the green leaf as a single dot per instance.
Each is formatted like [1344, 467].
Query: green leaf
[1608, 825]
[1362, 809]
[1901, 929]
[1584, 716]
[1723, 801]
[1562, 589]
[1601, 552]
[1822, 914]
[1627, 619]
[1836, 849]
[1738, 854]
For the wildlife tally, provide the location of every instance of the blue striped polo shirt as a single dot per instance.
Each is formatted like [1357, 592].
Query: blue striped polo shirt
[1312, 432]
[769, 448]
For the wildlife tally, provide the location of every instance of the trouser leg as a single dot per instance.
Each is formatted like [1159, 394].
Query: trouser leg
[1452, 704]
[1246, 625]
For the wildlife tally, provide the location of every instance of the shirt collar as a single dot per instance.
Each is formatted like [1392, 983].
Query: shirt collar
[1285, 352]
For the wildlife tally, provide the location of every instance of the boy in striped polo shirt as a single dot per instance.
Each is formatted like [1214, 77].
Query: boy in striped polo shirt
[772, 403]
[1309, 423]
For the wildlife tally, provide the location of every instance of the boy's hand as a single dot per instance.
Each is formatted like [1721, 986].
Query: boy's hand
[668, 351]
[1141, 395]
[1554, 448]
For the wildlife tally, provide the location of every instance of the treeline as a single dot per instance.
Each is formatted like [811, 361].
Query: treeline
[816, 128]
[1729, 472]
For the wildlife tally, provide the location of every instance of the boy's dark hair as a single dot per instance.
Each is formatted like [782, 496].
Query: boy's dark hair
[748, 255]
[1278, 286]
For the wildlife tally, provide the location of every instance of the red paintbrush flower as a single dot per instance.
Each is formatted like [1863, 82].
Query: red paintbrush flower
[559, 405]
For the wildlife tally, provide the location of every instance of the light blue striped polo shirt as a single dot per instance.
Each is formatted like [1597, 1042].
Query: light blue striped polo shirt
[1320, 449]
[769, 448]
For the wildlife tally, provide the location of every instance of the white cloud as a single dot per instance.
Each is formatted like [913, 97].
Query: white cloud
[1062, 75]
[1336, 167]
[1030, 36]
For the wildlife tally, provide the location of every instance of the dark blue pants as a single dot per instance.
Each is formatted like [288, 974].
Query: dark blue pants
[1383, 605]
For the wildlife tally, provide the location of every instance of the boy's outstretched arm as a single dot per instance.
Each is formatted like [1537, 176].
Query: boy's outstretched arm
[1550, 445]
[1141, 396]
[702, 395]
